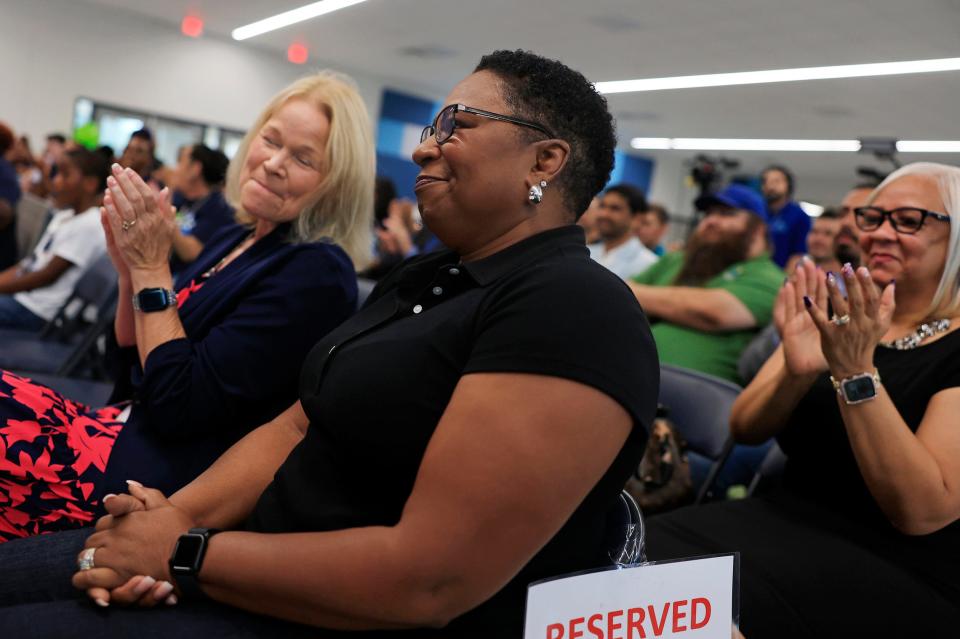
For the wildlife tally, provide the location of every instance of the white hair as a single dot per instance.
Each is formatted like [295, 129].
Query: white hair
[947, 179]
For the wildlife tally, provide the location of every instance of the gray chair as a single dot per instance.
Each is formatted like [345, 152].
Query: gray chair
[33, 213]
[85, 391]
[68, 343]
[699, 407]
[770, 469]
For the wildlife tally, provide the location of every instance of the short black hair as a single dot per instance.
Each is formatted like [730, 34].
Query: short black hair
[566, 103]
[107, 151]
[91, 164]
[660, 211]
[143, 134]
[786, 173]
[57, 137]
[634, 196]
[213, 164]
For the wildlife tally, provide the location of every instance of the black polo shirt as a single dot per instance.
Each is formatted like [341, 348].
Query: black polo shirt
[376, 387]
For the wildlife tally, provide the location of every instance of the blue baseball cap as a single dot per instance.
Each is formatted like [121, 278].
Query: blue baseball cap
[736, 196]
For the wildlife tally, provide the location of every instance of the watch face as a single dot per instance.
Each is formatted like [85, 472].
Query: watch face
[152, 299]
[187, 553]
[859, 388]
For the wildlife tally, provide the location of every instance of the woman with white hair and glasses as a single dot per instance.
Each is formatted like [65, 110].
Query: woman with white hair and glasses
[862, 537]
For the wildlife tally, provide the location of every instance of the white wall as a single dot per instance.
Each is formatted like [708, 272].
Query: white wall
[54, 51]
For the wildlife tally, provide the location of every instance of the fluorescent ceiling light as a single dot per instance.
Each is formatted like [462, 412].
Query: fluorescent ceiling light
[293, 16]
[780, 75]
[742, 144]
[928, 146]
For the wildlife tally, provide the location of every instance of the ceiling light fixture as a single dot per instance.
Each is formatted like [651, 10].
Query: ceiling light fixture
[743, 144]
[780, 75]
[748, 144]
[293, 16]
[928, 146]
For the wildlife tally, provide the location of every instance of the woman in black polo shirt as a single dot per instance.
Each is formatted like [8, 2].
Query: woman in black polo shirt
[463, 435]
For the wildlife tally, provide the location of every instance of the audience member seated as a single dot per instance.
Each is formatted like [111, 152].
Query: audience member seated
[588, 221]
[708, 301]
[219, 356]
[139, 154]
[198, 178]
[789, 224]
[28, 170]
[9, 196]
[463, 435]
[847, 243]
[861, 540]
[821, 243]
[651, 225]
[618, 249]
[32, 291]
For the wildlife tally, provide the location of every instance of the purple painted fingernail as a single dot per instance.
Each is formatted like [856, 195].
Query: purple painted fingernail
[807, 302]
[831, 278]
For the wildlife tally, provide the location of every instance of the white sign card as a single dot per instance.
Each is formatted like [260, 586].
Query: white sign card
[686, 599]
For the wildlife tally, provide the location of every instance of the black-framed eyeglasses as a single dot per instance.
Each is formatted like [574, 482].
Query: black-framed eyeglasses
[446, 122]
[905, 219]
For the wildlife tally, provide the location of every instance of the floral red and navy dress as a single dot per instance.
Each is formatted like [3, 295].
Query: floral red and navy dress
[53, 453]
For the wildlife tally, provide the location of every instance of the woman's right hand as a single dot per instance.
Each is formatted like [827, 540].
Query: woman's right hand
[800, 337]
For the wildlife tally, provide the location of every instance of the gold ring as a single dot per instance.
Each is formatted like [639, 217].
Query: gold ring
[126, 226]
[85, 560]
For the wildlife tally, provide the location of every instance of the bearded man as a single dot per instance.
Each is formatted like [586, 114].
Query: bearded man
[706, 302]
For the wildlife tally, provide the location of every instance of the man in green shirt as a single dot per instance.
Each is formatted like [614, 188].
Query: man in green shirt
[708, 301]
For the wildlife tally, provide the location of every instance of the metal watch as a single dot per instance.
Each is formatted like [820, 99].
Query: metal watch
[857, 389]
[187, 560]
[151, 300]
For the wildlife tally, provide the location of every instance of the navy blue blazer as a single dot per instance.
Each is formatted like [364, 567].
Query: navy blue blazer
[248, 329]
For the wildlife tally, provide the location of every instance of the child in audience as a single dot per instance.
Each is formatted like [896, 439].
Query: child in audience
[34, 289]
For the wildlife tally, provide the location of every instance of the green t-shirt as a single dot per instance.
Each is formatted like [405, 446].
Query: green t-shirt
[755, 282]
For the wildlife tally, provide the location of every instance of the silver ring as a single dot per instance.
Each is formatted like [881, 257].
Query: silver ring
[126, 226]
[85, 560]
[842, 320]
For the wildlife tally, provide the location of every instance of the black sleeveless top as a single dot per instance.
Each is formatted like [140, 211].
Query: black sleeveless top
[822, 468]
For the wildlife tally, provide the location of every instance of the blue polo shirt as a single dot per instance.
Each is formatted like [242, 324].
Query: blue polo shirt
[9, 191]
[788, 230]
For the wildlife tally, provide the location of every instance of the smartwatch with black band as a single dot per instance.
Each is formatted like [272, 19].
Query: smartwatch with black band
[187, 560]
[151, 300]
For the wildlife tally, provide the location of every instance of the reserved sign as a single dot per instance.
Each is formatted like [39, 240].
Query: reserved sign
[690, 598]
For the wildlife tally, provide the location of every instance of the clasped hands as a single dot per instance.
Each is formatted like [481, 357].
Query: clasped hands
[133, 544]
[138, 222]
[843, 343]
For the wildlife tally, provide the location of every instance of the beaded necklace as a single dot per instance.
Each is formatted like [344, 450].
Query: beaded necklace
[923, 332]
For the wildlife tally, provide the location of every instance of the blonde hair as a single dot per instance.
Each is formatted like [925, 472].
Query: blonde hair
[341, 209]
[947, 178]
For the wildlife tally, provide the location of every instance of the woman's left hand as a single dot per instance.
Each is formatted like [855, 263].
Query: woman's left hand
[850, 337]
[138, 543]
[141, 220]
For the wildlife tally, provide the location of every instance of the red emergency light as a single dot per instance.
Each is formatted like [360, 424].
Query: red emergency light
[192, 26]
[297, 53]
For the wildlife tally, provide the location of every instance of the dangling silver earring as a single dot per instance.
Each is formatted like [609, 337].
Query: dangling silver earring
[536, 192]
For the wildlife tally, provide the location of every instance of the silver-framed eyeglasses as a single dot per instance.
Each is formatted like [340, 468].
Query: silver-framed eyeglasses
[446, 122]
[905, 219]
